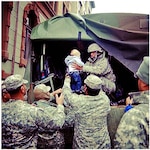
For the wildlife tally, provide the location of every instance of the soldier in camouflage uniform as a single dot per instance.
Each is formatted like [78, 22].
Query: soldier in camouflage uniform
[90, 114]
[133, 129]
[22, 121]
[48, 139]
[99, 65]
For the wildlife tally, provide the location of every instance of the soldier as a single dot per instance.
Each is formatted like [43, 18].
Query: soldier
[133, 129]
[43, 91]
[54, 138]
[99, 65]
[22, 121]
[90, 114]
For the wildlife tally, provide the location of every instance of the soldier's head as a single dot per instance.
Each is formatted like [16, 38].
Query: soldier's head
[41, 91]
[16, 86]
[143, 74]
[92, 85]
[5, 93]
[94, 50]
[75, 52]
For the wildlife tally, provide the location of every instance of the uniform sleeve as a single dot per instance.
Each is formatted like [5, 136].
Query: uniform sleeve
[70, 117]
[132, 132]
[50, 117]
[51, 97]
[73, 101]
[60, 116]
[98, 68]
[67, 90]
[70, 98]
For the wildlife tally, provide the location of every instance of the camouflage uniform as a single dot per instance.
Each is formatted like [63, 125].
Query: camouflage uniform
[49, 139]
[133, 129]
[90, 118]
[21, 123]
[100, 66]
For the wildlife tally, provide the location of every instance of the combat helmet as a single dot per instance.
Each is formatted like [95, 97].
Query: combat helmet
[94, 47]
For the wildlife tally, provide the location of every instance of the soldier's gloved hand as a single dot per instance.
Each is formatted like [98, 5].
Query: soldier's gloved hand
[59, 99]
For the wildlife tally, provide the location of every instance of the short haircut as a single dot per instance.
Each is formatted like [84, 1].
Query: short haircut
[14, 91]
[92, 92]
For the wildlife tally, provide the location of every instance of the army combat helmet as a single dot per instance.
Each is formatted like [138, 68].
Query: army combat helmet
[94, 47]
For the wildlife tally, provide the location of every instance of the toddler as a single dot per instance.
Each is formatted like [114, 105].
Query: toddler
[74, 57]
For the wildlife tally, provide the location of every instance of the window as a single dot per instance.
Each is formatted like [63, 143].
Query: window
[6, 12]
[30, 19]
[53, 5]
[65, 7]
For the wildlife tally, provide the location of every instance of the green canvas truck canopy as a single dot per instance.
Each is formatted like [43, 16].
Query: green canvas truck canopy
[60, 28]
[124, 36]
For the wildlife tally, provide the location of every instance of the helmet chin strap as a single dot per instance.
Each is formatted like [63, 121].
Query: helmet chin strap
[92, 59]
[101, 55]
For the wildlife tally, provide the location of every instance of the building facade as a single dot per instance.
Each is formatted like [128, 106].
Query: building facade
[18, 19]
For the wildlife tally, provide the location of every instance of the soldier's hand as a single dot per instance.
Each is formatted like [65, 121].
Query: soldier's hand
[75, 66]
[59, 99]
[129, 100]
[57, 91]
[67, 75]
